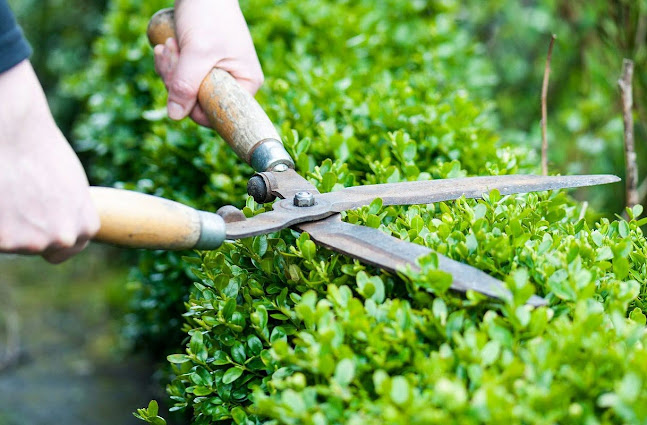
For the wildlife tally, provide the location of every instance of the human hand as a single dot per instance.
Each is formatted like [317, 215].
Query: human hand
[209, 34]
[45, 207]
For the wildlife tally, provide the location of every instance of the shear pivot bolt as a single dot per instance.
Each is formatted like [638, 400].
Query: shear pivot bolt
[304, 199]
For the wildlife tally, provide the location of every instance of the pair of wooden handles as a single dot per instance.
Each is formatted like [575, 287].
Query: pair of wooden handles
[142, 221]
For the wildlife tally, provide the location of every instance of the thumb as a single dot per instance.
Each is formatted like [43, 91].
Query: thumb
[185, 84]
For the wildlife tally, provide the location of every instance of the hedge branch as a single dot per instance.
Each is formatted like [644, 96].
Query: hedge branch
[624, 83]
[544, 111]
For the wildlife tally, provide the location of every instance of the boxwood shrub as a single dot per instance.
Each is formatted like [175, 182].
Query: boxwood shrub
[274, 329]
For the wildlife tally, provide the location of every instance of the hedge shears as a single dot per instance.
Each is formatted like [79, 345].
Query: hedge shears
[143, 221]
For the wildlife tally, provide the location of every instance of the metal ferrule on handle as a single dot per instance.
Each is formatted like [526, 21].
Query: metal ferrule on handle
[231, 110]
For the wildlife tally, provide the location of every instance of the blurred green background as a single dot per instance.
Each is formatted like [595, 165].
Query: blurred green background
[80, 310]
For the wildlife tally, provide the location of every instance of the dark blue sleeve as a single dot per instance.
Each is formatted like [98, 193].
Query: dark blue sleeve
[13, 46]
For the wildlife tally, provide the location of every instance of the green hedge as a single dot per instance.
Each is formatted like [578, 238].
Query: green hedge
[278, 330]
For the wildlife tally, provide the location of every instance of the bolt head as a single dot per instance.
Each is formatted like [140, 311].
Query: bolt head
[304, 199]
[257, 189]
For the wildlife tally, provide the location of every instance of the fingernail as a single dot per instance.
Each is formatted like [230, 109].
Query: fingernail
[175, 111]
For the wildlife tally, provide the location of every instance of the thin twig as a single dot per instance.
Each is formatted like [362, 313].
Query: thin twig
[624, 82]
[641, 33]
[544, 110]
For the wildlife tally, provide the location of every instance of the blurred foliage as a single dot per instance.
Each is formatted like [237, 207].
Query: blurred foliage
[275, 329]
[61, 34]
[584, 108]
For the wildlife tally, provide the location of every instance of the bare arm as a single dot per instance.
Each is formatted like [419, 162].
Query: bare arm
[45, 206]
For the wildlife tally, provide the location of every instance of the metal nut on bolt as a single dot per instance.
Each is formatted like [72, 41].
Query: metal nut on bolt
[304, 199]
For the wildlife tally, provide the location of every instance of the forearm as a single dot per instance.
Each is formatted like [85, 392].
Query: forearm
[23, 104]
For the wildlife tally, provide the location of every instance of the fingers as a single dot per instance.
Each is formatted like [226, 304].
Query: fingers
[185, 81]
[55, 240]
[249, 75]
[56, 255]
[209, 34]
[198, 115]
[166, 57]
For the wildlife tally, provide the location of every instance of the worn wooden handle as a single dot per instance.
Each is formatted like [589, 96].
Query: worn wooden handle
[136, 220]
[231, 110]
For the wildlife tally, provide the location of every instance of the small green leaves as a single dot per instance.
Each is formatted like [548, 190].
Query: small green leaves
[399, 390]
[370, 287]
[232, 374]
[307, 247]
[259, 317]
[238, 352]
[150, 414]
[153, 408]
[202, 376]
[197, 347]
[280, 330]
[229, 308]
[254, 344]
[345, 372]
[178, 358]
[560, 286]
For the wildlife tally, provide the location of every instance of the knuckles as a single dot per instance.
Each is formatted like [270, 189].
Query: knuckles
[181, 89]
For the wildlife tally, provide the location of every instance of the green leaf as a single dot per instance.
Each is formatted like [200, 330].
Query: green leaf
[638, 316]
[621, 268]
[229, 308]
[202, 376]
[328, 181]
[345, 371]
[308, 249]
[220, 358]
[202, 391]
[238, 353]
[399, 390]
[238, 415]
[178, 358]
[232, 374]
[153, 408]
[260, 317]
[623, 229]
[490, 352]
[375, 206]
[439, 309]
[278, 333]
[259, 245]
[255, 345]
[559, 285]
[196, 342]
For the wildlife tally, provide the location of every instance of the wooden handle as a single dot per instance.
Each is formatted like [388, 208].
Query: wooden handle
[231, 110]
[136, 220]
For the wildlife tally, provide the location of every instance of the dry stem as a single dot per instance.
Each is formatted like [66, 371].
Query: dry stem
[630, 153]
[544, 111]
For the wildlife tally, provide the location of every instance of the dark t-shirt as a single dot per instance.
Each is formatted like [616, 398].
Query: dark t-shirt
[13, 46]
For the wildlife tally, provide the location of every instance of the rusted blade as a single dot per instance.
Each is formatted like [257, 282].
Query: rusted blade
[427, 192]
[379, 249]
[285, 214]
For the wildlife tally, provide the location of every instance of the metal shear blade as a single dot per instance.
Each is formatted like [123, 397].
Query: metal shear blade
[322, 220]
